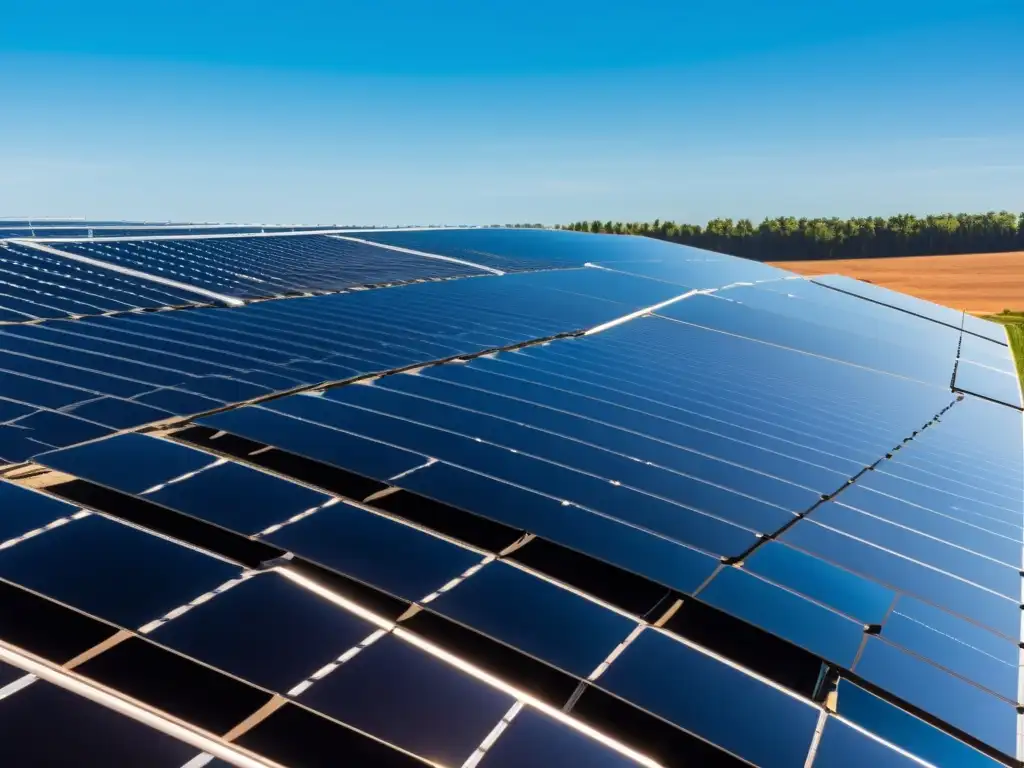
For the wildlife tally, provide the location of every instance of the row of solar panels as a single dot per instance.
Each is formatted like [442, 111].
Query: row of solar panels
[745, 452]
[26, 229]
[71, 380]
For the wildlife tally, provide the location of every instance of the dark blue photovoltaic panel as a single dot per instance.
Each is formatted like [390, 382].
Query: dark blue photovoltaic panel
[265, 630]
[522, 249]
[600, 494]
[668, 425]
[268, 266]
[540, 742]
[356, 454]
[129, 462]
[958, 645]
[113, 571]
[119, 414]
[785, 614]
[995, 576]
[856, 596]
[905, 730]
[992, 538]
[35, 284]
[604, 464]
[397, 693]
[843, 746]
[623, 437]
[23, 510]
[712, 700]
[931, 363]
[981, 714]
[397, 558]
[999, 613]
[537, 617]
[626, 546]
[611, 461]
[238, 497]
[55, 727]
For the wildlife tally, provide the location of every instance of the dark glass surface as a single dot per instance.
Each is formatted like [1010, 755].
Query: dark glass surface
[928, 365]
[988, 537]
[129, 462]
[905, 730]
[956, 644]
[411, 699]
[601, 427]
[23, 510]
[537, 617]
[179, 402]
[783, 613]
[611, 462]
[597, 493]
[55, 727]
[15, 447]
[843, 746]
[224, 388]
[113, 571]
[713, 700]
[119, 414]
[297, 736]
[990, 609]
[265, 630]
[9, 674]
[58, 429]
[12, 410]
[947, 557]
[537, 741]
[614, 542]
[863, 599]
[314, 441]
[45, 394]
[940, 500]
[395, 557]
[66, 374]
[984, 716]
[238, 497]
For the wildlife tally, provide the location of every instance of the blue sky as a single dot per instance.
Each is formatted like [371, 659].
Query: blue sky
[436, 111]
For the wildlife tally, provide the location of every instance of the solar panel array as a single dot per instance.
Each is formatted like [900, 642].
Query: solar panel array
[552, 499]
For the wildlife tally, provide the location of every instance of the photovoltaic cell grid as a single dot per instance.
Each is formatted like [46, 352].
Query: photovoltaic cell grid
[37, 285]
[552, 529]
[269, 266]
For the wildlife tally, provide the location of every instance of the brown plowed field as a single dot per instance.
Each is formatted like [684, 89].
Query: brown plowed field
[981, 283]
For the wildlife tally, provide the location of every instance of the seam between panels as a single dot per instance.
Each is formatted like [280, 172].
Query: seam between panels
[123, 704]
[825, 498]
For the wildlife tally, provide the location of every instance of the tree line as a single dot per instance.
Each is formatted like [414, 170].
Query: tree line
[787, 238]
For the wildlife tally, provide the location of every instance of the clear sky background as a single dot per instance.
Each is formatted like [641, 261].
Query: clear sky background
[445, 112]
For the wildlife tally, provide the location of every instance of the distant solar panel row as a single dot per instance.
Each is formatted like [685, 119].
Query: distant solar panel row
[36, 285]
[756, 526]
[268, 266]
[19, 230]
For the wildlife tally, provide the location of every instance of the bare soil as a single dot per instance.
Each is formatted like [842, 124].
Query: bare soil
[981, 283]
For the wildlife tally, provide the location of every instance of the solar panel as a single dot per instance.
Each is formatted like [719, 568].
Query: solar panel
[600, 501]
[255, 267]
